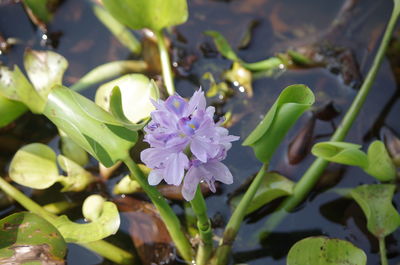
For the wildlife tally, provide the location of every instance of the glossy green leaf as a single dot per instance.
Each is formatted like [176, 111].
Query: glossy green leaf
[71, 150]
[10, 110]
[222, 45]
[40, 8]
[105, 225]
[376, 203]
[77, 178]
[290, 105]
[92, 207]
[128, 98]
[380, 164]
[45, 69]
[15, 86]
[342, 153]
[92, 128]
[273, 186]
[27, 238]
[325, 251]
[34, 166]
[152, 14]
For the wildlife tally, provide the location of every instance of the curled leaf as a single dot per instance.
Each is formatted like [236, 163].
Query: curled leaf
[105, 225]
[34, 166]
[92, 207]
[126, 186]
[325, 251]
[376, 203]
[77, 177]
[290, 105]
[380, 164]
[240, 77]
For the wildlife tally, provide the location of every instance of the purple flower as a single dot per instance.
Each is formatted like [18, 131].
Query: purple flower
[184, 137]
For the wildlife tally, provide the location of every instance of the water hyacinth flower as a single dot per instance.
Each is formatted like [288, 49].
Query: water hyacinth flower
[186, 143]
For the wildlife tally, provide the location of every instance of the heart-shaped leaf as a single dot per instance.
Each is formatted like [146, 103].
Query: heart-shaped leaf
[91, 127]
[380, 164]
[45, 69]
[325, 251]
[290, 105]
[28, 238]
[34, 166]
[131, 103]
[105, 225]
[273, 186]
[152, 14]
[376, 203]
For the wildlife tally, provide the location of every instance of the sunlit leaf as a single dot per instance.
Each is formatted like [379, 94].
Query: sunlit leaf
[341, 152]
[45, 69]
[290, 105]
[105, 225]
[380, 164]
[89, 126]
[126, 186]
[273, 186]
[92, 207]
[325, 251]
[34, 166]
[152, 14]
[10, 110]
[131, 101]
[376, 203]
[27, 238]
[77, 178]
[15, 86]
[240, 76]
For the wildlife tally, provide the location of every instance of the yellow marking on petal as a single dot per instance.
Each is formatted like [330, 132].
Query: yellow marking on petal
[176, 104]
[192, 126]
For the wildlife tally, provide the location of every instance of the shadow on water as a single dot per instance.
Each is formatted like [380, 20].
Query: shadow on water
[274, 26]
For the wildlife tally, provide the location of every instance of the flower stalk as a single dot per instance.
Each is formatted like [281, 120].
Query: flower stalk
[232, 228]
[165, 63]
[167, 215]
[382, 251]
[204, 226]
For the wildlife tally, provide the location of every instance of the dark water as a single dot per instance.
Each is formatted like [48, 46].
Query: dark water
[86, 44]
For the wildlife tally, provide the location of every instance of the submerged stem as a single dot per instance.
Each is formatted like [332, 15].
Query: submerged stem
[101, 247]
[311, 176]
[232, 228]
[167, 214]
[165, 63]
[204, 225]
[382, 251]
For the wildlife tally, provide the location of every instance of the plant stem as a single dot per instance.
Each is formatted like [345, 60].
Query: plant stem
[107, 71]
[382, 250]
[204, 225]
[101, 247]
[311, 176]
[165, 63]
[232, 228]
[167, 214]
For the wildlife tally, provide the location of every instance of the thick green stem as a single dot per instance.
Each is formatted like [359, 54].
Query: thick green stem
[382, 251]
[107, 71]
[101, 247]
[167, 214]
[232, 228]
[165, 63]
[204, 225]
[311, 176]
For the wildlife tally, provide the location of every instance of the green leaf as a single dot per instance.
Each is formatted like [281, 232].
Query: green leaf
[376, 203]
[130, 102]
[10, 110]
[325, 251]
[77, 177]
[152, 14]
[105, 225]
[34, 166]
[15, 86]
[92, 128]
[92, 207]
[273, 186]
[28, 238]
[290, 105]
[45, 69]
[40, 9]
[240, 76]
[222, 45]
[71, 150]
[342, 153]
[380, 164]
